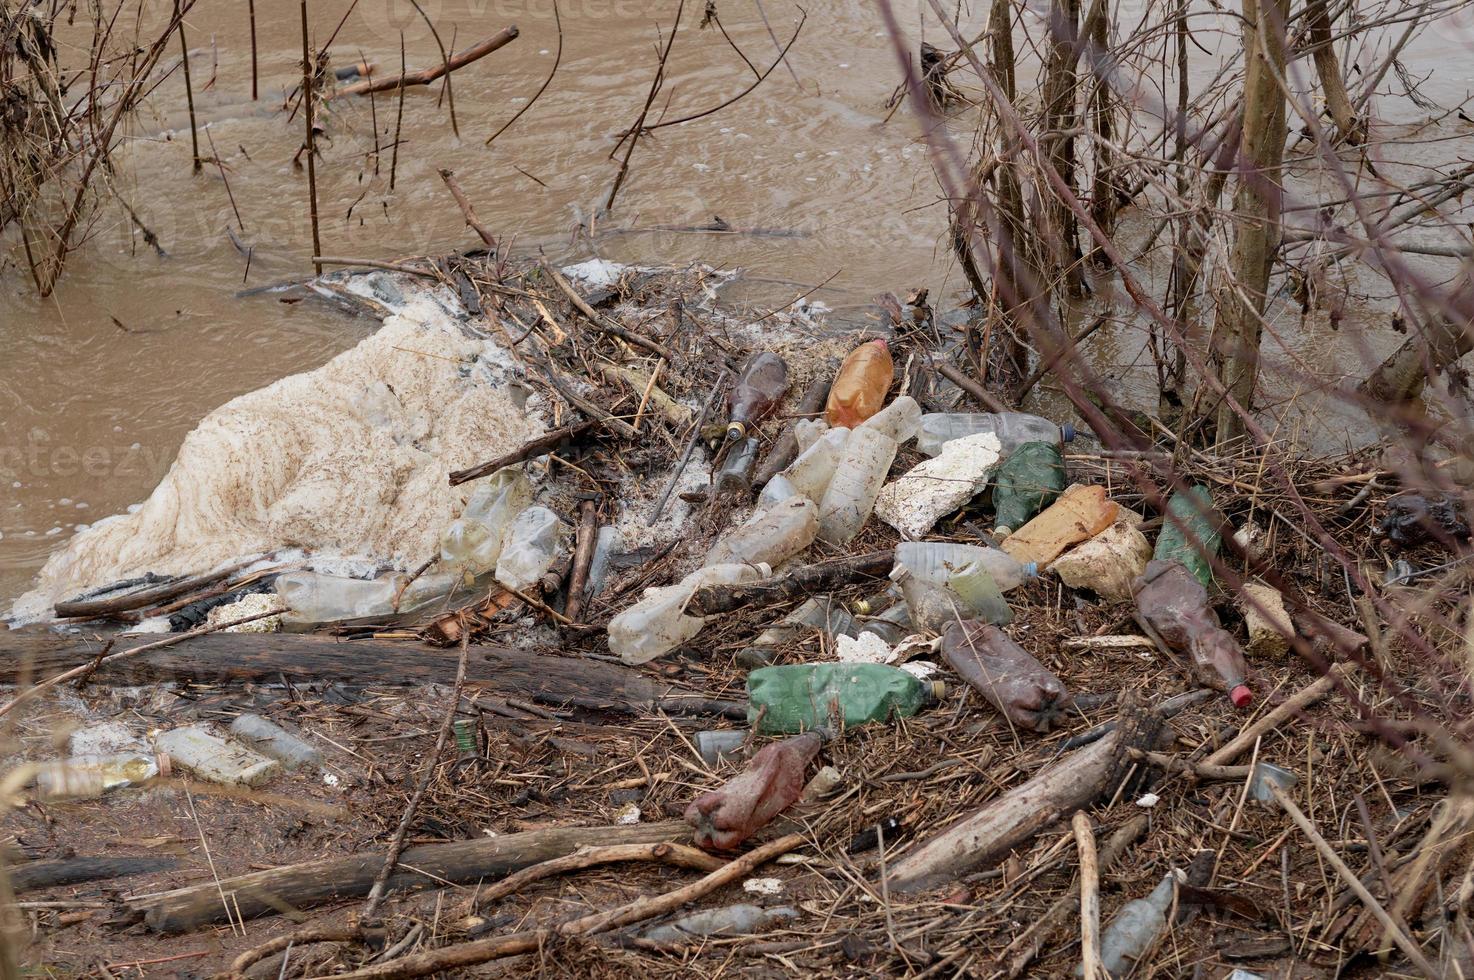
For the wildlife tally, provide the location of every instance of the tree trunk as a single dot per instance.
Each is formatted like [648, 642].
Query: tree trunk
[1256, 210]
[1328, 67]
[1437, 344]
[1103, 190]
[1061, 115]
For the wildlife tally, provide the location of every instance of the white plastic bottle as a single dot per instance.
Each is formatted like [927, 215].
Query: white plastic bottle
[215, 760]
[938, 561]
[810, 474]
[313, 597]
[771, 536]
[472, 543]
[1013, 429]
[850, 496]
[535, 540]
[657, 624]
[901, 419]
[274, 741]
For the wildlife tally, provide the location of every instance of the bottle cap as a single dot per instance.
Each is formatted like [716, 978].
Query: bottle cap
[938, 689]
[1067, 432]
[736, 430]
[882, 344]
[1241, 696]
[1031, 569]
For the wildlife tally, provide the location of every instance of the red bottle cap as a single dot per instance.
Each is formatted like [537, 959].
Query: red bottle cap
[880, 342]
[1241, 696]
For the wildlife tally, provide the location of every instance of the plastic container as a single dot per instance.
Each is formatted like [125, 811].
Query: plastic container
[820, 614]
[1030, 479]
[608, 541]
[860, 385]
[1013, 429]
[812, 471]
[935, 605]
[215, 760]
[275, 742]
[975, 585]
[900, 420]
[1190, 533]
[936, 487]
[473, 542]
[770, 536]
[534, 541]
[937, 561]
[775, 491]
[312, 597]
[1175, 604]
[1080, 513]
[719, 744]
[1028, 695]
[802, 697]
[1108, 563]
[757, 391]
[88, 777]
[768, 785]
[1134, 929]
[735, 473]
[733, 920]
[657, 624]
[850, 496]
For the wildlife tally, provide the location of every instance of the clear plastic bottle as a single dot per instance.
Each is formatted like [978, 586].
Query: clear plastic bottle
[937, 561]
[88, 777]
[473, 542]
[215, 760]
[900, 420]
[534, 541]
[770, 536]
[735, 474]
[860, 385]
[274, 741]
[759, 389]
[1134, 929]
[1013, 429]
[967, 594]
[811, 472]
[606, 544]
[657, 624]
[806, 432]
[313, 597]
[470, 547]
[775, 491]
[850, 496]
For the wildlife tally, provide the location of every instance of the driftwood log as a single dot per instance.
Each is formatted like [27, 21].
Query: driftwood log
[73, 871]
[989, 834]
[709, 600]
[299, 886]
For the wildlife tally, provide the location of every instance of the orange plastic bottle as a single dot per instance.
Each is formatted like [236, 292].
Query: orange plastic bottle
[860, 387]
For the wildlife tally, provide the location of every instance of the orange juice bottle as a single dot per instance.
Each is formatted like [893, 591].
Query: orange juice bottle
[860, 386]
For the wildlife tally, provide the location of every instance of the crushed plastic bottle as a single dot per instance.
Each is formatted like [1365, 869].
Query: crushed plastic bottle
[1175, 604]
[850, 496]
[768, 785]
[275, 742]
[802, 697]
[988, 659]
[811, 472]
[757, 391]
[1108, 563]
[821, 613]
[1013, 429]
[1414, 518]
[658, 623]
[1134, 929]
[1030, 479]
[860, 385]
[735, 474]
[534, 541]
[934, 605]
[1080, 513]
[770, 536]
[733, 920]
[473, 542]
[937, 561]
[900, 420]
[1190, 533]
[88, 777]
[936, 487]
[215, 760]
[313, 597]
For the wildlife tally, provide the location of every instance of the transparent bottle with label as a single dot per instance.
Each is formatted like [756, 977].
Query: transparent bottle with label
[850, 496]
[1013, 429]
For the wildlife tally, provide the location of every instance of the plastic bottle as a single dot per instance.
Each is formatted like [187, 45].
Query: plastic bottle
[936, 605]
[1175, 604]
[733, 920]
[735, 473]
[1108, 563]
[606, 544]
[975, 585]
[770, 536]
[534, 541]
[801, 697]
[313, 597]
[820, 614]
[811, 472]
[850, 496]
[1029, 480]
[1134, 929]
[900, 420]
[936, 487]
[860, 385]
[758, 390]
[473, 542]
[275, 742]
[1005, 674]
[88, 777]
[1190, 533]
[937, 561]
[775, 491]
[1013, 429]
[215, 760]
[768, 785]
[719, 744]
[657, 624]
[1080, 513]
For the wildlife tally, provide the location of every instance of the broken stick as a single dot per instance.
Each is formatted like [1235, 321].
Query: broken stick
[427, 75]
[528, 450]
[709, 600]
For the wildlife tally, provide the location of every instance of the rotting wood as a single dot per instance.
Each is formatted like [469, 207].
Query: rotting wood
[153, 595]
[427, 75]
[709, 600]
[295, 887]
[676, 855]
[74, 871]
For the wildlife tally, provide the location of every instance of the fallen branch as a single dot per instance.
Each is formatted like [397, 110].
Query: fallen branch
[1291, 706]
[1089, 895]
[467, 211]
[601, 323]
[128, 601]
[528, 450]
[583, 558]
[980, 394]
[676, 855]
[74, 871]
[709, 600]
[427, 75]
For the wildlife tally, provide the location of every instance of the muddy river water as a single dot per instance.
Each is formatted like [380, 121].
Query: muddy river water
[101, 381]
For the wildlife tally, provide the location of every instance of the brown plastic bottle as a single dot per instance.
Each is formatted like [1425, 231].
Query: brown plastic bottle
[770, 784]
[1175, 604]
[1000, 670]
[860, 387]
[759, 389]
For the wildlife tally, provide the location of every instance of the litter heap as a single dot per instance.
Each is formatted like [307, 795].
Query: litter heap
[833, 669]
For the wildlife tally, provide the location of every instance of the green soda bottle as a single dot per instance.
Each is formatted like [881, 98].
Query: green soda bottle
[1027, 482]
[799, 697]
[1190, 533]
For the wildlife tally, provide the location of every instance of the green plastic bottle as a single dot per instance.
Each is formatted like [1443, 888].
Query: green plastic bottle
[1196, 546]
[797, 698]
[1027, 482]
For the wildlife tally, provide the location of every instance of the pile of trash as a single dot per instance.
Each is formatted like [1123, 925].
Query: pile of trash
[726, 589]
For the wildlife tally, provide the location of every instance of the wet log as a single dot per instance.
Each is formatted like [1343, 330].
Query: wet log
[986, 836]
[138, 599]
[427, 75]
[288, 889]
[74, 871]
[709, 600]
